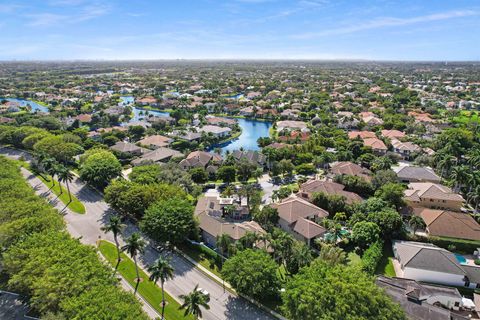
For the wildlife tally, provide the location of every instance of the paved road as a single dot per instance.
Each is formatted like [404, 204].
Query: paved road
[87, 227]
[268, 187]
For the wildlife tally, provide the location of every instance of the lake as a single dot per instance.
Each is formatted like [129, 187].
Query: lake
[251, 131]
[23, 102]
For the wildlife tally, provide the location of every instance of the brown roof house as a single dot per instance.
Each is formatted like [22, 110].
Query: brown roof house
[433, 196]
[127, 147]
[405, 149]
[155, 141]
[361, 134]
[214, 219]
[350, 169]
[328, 187]
[443, 223]
[297, 216]
[202, 159]
[392, 134]
[376, 144]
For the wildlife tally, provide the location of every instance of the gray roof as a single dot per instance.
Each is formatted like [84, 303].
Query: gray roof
[12, 307]
[418, 174]
[156, 155]
[122, 146]
[427, 256]
[400, 291]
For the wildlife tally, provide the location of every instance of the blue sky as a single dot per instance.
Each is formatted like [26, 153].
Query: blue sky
[246, 29]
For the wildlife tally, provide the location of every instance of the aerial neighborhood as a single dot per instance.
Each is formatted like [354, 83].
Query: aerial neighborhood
[235, 190]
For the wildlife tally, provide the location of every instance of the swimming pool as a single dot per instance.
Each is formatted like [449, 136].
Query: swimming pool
[461, 259]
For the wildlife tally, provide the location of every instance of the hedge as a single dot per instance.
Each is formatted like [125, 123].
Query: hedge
[42, 261]
[372, 256]
[461, 245]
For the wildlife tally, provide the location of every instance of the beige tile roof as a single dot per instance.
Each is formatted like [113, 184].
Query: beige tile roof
[308, 229]
[449, 224]
[293, 208]
[428, 190]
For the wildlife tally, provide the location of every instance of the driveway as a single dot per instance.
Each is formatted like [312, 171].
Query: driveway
[87, 227]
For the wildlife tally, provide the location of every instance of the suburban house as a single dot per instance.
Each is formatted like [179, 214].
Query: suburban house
[372, 121]
[253, 157]
[416, 174]
[127, 147]
[422, 301]
[201, 159]
[296, 216]
[155, 141]
[443, 223]
[214, 219]
[377, 145]
[291, 125]
[361, 134]
[428, 263]
[405, 149]
[350, 169]
[432, 195]
[156, 156]
[186, 135]
[216, 131]
[392, 134]
[310, 187]
[220, 121]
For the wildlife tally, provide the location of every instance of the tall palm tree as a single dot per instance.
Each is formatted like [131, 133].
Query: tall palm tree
[134, 245]
[193, 301]
[161, 270]
[416, 222]
[223, 243]
[64, 175]
[49, 166]
[115, 226]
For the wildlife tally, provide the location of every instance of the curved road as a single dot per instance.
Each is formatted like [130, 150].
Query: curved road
[87, 227]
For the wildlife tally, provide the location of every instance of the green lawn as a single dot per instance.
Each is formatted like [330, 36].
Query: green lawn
[147, 289]
[76, 206]
[201, 255]
[385, 266]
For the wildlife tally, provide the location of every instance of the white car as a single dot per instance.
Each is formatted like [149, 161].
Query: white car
[205, 292]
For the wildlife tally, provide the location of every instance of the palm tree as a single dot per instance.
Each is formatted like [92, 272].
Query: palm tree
[49, 165]
[193, 301]
[331, 254]
[459, 176]
[223, 243]
[416, 223]
[115, 226]
[134, 245]
[161, 270]
[64, 175]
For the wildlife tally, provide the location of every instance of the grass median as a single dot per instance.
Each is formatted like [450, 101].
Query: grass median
[147, 289]
[75, 205]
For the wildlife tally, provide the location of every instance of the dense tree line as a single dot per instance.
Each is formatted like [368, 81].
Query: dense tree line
[60, 275]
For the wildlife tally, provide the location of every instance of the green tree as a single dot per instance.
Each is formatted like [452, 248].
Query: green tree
[115, 226]
[66, 176]
[267, 217]
[227, 174]
[391, 193]
[99, 168]
[365, 233]
[313, 294]
[169, 220]
[193, 301]
[253, 273]
[416, 223]
[133, 246]
[161, 270]
[199, 175]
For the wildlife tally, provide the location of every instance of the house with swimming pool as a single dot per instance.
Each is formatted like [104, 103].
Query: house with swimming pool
[428, 263]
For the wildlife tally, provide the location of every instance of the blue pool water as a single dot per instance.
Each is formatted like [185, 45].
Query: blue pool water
[461, 259]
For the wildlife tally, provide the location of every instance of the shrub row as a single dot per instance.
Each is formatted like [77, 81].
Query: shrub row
[372, 256]
[60, 275]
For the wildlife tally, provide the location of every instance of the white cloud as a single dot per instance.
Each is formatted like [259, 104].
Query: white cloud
[387, 22]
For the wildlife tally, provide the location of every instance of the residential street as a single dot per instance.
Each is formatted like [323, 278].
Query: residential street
[87, 227]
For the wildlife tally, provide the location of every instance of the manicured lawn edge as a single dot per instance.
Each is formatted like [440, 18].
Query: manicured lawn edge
[76, 205]
[147, 289]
